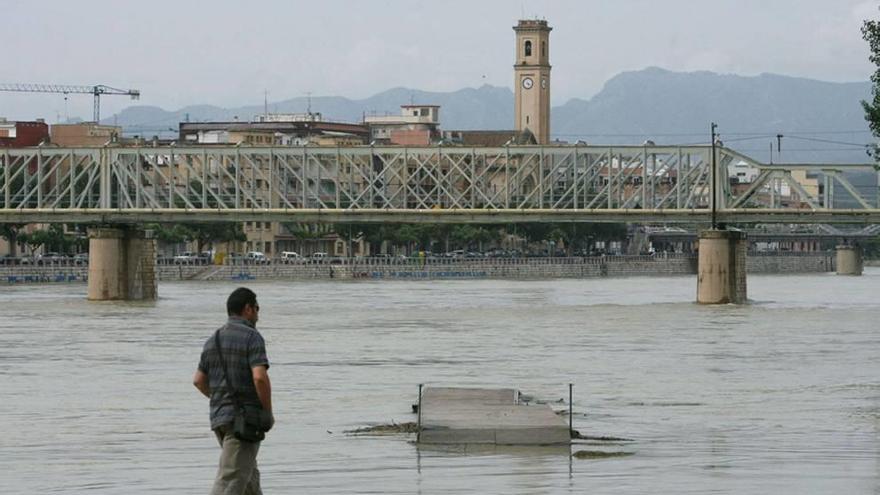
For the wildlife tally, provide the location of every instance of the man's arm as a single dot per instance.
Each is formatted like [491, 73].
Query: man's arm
[200, 380]
[264, 387]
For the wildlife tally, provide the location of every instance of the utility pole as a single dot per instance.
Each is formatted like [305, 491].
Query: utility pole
[713, 188]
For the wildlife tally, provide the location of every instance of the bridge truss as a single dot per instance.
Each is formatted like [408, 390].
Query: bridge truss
[669, 184]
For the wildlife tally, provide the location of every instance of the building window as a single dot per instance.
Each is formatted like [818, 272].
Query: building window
[543, 48]
[527, 119]
[528, 48]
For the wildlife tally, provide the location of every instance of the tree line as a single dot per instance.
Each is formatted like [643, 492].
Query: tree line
[414, 237]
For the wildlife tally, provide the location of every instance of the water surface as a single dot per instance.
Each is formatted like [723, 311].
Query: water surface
[778, 396]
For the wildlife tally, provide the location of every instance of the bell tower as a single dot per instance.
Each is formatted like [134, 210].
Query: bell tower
[531, 78]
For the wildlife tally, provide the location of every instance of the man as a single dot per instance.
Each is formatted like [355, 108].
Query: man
[244, 353]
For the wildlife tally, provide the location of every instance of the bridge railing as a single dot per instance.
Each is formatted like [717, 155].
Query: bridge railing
[457, 261]
[26, 264]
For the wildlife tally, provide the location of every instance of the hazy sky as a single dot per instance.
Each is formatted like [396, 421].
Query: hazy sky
[227, 53]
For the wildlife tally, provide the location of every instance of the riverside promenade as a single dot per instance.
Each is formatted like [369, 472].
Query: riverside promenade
[418, 269]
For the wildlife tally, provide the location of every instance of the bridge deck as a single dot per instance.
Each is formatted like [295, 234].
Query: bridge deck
[473, 216]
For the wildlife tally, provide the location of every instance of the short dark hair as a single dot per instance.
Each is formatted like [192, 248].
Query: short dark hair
[240, 298]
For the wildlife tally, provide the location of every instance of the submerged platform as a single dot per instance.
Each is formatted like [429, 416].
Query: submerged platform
[485, 416]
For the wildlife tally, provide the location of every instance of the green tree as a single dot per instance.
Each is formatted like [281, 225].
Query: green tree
[871, 248]
[211, 232]
[871, 34]
[169, 233]
[200, 233]
[11, 232]
[53, 238]
[534, 232]
[575, 235]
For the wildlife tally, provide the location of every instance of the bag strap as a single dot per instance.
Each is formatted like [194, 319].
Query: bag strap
[232, 392]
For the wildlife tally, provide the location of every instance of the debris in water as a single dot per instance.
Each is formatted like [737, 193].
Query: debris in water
[576, 434]
[390, 429]
[528, 399]
[599, 454]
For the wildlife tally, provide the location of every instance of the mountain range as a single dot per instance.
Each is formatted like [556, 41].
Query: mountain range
[819, 121]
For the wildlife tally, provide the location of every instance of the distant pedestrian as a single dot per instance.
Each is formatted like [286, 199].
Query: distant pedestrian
[235, 377]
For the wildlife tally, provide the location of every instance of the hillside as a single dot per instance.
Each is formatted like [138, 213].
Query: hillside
[663, 106]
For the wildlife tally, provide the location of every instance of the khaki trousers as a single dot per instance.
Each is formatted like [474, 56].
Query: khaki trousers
[237, 473]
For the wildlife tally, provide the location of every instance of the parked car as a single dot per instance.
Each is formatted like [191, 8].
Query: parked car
[186, 258]
[317, 257]
[290, 257]
[81, 259]
[51, 258]
[256, 257]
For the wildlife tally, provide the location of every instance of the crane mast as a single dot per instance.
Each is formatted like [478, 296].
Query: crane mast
[96, 91]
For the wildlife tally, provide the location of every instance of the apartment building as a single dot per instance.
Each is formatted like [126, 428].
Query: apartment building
[416, 125]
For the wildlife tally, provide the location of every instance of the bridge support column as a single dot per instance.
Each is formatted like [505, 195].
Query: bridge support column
[849, 260]
[122, 264]
[721, 268]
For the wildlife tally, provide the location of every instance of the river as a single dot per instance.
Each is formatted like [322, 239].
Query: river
[778, 396]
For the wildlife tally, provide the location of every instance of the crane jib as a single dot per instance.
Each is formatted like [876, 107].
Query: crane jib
[96, 90]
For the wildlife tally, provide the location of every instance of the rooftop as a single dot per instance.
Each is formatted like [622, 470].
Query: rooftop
[532, 24]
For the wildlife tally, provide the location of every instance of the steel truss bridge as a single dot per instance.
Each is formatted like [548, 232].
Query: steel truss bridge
[647, 184]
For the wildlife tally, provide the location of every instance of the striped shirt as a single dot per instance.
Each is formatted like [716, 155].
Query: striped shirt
[243, 348]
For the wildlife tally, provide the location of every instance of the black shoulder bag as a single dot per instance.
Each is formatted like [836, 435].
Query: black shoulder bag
[251, 422]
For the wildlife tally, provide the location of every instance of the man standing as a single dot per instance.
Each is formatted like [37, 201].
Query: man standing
[244, 355]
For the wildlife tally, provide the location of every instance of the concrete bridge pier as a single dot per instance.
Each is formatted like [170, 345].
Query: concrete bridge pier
[122, 264]
[721, 267]
[849, 260]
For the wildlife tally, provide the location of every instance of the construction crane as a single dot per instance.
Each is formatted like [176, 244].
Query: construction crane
[97, 91]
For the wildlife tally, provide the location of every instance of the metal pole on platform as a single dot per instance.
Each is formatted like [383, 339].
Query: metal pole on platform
[419, 424]
[714, 186]
[570, 407]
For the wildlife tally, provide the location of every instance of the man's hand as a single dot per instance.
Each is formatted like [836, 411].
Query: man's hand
[200, 380]
[264, 388]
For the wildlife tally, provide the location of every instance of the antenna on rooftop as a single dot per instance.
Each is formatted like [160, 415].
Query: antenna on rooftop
[309, 102]
[266, 102]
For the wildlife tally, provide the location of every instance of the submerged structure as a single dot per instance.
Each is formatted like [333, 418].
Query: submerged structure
[449, 415]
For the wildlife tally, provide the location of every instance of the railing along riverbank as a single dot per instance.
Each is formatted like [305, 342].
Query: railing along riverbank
[661, 264]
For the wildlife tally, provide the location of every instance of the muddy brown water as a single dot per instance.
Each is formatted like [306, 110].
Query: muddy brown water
[779, 396]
